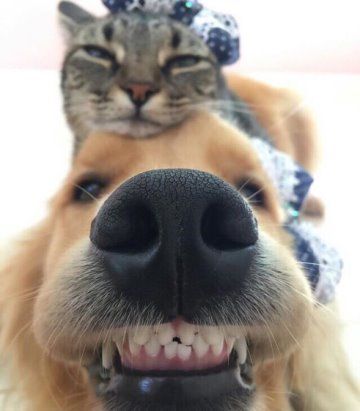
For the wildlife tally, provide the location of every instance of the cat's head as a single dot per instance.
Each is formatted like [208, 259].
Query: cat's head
[134, 73]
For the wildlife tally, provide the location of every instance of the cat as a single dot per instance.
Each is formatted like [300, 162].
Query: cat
[138, 73]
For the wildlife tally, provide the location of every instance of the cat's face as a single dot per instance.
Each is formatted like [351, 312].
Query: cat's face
[135, 73]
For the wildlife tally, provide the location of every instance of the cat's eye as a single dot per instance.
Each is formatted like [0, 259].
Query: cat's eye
[88, 190]
[253, 192]
[183, 62]
[99, 53]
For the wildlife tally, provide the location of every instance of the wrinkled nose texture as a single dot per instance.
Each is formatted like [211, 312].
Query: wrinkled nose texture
[176, 240]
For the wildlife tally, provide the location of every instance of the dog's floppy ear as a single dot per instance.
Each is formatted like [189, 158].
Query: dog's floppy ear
[72, 17]
[21, 276]
[284, 116]
[20, 279]
[21, 269]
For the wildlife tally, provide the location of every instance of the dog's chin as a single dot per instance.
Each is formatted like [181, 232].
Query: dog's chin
[177, 368]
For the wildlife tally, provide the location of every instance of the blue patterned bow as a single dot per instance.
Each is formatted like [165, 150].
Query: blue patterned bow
[321, 262]
[219, 31]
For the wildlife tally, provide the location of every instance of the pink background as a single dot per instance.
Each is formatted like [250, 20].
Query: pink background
[307, 35]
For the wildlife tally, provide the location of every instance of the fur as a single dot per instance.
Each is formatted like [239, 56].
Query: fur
[298, 361]
[106, 55]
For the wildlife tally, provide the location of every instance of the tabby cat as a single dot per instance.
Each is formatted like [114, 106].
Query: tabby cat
[138, 73]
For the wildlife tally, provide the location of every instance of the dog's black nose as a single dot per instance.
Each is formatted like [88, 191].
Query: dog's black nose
[175, 239]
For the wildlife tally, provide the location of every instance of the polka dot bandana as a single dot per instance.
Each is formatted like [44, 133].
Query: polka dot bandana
[290, 179]
[321, 262]
[219, 31]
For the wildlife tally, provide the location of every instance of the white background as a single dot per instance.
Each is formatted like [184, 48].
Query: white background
[303, 35]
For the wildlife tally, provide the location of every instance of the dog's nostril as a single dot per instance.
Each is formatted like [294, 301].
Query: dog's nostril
[223, 228]
[139, 231]
[132, 230]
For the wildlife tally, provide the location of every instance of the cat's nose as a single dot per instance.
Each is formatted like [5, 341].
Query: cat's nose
[140, 93]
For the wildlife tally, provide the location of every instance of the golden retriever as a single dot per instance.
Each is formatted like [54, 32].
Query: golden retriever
[154, 285]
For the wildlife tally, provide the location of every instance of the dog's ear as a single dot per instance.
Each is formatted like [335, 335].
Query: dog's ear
[20, 278]
[43, 382]
[72, 17]
[284, 115]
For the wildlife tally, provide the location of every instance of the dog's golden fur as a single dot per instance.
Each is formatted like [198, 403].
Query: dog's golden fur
[304, 371]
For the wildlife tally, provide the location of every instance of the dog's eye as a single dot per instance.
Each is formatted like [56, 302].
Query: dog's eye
[99, 53]
[253, 193]
[183, 62]
[88, 190]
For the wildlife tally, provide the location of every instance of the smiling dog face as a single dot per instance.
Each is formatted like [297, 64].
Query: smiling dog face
[165, 262]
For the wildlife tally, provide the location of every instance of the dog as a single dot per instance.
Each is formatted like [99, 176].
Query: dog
[163, 279]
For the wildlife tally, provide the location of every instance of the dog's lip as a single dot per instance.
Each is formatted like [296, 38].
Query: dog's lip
[177, 389]
[126, 370]
[172, 387]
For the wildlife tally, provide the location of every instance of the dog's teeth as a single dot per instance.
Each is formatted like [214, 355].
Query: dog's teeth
[183, 352]
[211, 335]
[230, 341]
[200, 346]
[141, 335]
[218, 349]
[241, 348]
[189, 339]
[165, 334]
[152, 347]
[170, 350]
[186, 333]
[108, 352]
[120, 347]
[134, 348]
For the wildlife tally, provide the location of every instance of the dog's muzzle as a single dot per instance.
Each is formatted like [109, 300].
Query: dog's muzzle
[177, 240]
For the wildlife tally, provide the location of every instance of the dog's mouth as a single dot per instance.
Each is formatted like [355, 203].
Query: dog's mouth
[172, 362]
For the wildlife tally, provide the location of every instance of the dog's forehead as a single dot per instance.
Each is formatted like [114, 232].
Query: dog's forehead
[204, 142]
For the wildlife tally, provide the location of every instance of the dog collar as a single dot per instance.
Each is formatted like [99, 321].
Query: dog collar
[219, 31]
[321, 262]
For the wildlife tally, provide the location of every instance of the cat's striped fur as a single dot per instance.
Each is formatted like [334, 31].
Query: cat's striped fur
[106, 55]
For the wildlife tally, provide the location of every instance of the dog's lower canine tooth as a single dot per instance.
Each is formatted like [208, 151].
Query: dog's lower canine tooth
[183, 352]
[230, 341]
[165, 334]
[153, 346]
[141, 335]
[120, 347]
[241, 348]
[108, 352]
[200, 346]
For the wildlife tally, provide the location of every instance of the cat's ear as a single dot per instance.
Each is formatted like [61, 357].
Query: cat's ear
[72, 17]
